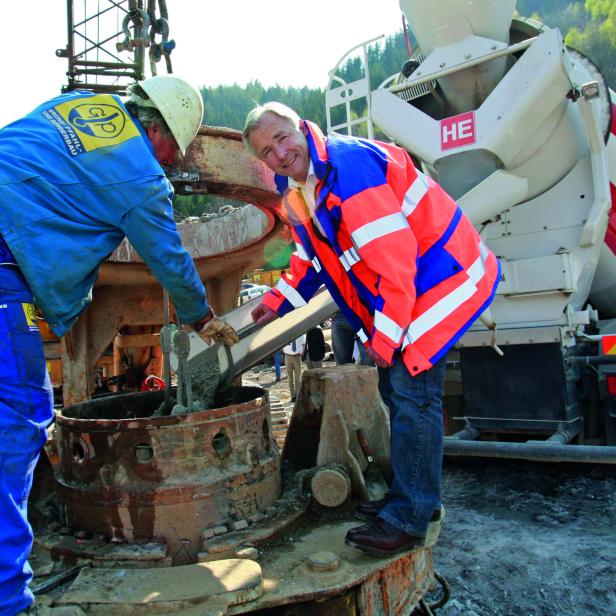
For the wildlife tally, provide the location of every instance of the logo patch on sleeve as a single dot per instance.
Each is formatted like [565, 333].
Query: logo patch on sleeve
[86, 124]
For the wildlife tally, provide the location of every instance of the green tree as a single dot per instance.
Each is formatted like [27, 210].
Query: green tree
[604, 13]
[561, 14]
[229, 105]
[597, 39]
[589, 27]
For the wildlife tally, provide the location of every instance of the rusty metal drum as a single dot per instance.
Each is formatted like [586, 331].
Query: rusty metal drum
[134, 477]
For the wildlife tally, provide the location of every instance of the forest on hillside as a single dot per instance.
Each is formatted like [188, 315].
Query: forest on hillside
[588, 26]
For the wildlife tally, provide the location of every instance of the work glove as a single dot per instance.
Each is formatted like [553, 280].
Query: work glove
[379, 361]
[263, 314]
[211, 328]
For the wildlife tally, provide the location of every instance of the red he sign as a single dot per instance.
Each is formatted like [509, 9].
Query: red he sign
[458, 131]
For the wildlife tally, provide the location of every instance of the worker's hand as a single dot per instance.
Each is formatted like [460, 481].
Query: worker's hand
[211, 328]
[377, 359]
[263, 314]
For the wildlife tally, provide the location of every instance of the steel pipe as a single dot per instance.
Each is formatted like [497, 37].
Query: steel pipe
[591, 360]
[562, 437]
[541, 452]
[466, 434]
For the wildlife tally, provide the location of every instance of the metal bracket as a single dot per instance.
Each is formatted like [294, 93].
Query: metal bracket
[182, 176]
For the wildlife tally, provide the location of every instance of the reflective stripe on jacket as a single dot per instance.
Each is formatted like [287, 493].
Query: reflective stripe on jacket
[397, 254]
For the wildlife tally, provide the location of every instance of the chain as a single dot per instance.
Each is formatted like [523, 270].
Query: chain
[147, 26]
[160, 26]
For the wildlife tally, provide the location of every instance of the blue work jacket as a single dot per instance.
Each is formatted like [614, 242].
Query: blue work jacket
[77, 175]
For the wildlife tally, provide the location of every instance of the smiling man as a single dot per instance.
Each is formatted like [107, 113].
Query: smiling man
[408, 271]
[281, 147]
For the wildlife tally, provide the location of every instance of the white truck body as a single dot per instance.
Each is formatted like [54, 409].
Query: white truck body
[518, 129]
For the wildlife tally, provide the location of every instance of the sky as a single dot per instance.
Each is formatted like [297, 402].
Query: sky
[283, 42]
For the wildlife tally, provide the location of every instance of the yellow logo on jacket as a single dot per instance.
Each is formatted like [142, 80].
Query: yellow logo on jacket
[30, 314]
[93, 122]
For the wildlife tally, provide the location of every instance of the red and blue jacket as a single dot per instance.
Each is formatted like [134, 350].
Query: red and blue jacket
[398, 256]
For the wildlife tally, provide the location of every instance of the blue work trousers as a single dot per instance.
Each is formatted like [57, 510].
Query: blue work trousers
[415, 411]
[26, 410]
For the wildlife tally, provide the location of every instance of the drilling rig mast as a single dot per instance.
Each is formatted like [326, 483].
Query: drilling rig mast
[107, 41]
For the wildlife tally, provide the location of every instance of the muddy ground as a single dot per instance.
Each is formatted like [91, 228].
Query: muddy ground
[520, 538]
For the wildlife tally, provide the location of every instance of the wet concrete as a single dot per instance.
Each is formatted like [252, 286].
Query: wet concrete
[204, 370]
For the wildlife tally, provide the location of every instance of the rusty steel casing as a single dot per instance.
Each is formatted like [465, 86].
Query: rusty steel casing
[134, 477]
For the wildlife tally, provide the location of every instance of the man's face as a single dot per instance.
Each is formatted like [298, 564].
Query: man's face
[281, 147]
[165, 147]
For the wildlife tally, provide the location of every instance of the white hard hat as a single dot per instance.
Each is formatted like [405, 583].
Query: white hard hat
[180, 105]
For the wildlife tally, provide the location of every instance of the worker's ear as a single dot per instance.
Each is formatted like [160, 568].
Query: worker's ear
[304, 128]
[152, 130]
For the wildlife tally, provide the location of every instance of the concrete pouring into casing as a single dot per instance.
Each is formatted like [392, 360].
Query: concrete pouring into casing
[130, 473]
[223, 246]
[204, 372]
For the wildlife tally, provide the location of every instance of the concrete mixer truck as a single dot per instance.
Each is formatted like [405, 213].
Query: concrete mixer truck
[521, 131]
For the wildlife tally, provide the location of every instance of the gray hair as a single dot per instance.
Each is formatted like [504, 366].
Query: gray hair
[143, 109]
[254, 117]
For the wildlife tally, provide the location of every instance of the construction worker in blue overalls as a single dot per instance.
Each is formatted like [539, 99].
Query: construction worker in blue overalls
[77, 175]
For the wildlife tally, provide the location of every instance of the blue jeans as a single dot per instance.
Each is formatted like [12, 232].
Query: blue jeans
[415, 411]
[343, 342]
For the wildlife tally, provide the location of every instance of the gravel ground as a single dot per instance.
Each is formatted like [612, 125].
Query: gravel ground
[519, 538]
[528, 538]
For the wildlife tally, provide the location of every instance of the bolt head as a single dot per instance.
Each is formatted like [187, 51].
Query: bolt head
[322, 561]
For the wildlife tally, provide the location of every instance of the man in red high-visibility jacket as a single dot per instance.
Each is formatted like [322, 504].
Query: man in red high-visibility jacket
[410, 274]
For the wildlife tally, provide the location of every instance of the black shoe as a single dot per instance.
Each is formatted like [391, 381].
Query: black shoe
[379, 538]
